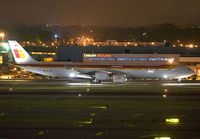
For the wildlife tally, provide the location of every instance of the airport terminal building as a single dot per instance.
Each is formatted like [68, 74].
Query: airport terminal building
[113, 55]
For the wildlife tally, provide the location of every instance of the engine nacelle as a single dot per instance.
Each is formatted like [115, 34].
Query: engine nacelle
[101, 76]
[119, 78]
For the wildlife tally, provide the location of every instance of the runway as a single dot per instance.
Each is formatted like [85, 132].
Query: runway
[27, 88]
[60, 109]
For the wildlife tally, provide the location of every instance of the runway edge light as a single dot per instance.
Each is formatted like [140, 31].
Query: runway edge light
[172, 120]
[162, 138]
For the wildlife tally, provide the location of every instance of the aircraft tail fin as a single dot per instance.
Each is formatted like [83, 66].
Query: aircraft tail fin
[20, 55]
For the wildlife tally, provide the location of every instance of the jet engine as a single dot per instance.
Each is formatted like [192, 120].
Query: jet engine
[101, 76]
[119, 78]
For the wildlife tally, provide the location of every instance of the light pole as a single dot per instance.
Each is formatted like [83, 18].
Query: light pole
[2, 35]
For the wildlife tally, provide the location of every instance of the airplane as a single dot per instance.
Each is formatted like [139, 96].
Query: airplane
[96, 73]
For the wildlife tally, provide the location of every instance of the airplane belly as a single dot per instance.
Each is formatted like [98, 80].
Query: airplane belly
[61, 72]
[148, 73]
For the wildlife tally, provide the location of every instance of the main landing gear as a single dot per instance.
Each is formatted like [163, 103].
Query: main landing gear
[95, 81]
[179, 81]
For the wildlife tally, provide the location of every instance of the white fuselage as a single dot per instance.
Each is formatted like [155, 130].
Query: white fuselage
[172, 72]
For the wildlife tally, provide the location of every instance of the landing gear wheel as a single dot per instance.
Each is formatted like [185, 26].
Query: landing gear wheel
[179, 81]
[95, 81]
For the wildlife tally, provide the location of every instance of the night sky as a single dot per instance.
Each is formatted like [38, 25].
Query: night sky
[100, 12]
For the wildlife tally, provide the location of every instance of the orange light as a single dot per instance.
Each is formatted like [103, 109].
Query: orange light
[104, 55]
[191, 46]
[171, 60]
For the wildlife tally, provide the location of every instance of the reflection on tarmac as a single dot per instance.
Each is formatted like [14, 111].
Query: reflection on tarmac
[102, 84]
[133, 84]
[83, 84]
[181, 84]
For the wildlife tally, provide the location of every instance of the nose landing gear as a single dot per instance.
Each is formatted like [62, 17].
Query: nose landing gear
[179, 81]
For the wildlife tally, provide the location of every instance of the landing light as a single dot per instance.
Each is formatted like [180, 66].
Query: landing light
[72, 75]
[165, 76]
[150, 71]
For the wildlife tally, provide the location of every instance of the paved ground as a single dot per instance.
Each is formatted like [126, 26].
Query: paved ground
[48, 109]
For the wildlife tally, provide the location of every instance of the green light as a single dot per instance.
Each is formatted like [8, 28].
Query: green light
[103, 107]
[86, 122]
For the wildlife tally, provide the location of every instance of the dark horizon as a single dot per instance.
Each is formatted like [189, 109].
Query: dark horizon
[100, 12]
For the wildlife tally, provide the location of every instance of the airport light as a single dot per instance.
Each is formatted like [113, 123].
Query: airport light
[172, 120]
[162, 138]
[2, 114]
[2, 35]
[93, 114]
[56, 36]
[164, 96]
[191, 46]
[41, 133]
[100, 107]
[171, 60]
[99, 133]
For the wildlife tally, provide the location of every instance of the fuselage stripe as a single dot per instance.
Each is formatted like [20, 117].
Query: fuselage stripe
[102, 67]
